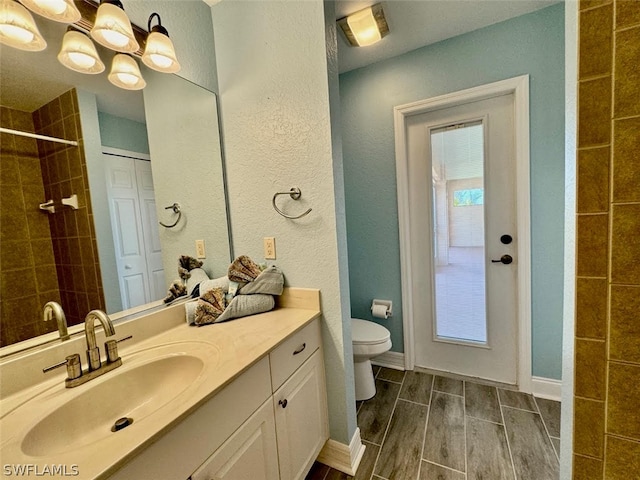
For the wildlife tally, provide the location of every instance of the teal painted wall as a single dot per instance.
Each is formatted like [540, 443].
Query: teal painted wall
[117, 132]
[532, 44]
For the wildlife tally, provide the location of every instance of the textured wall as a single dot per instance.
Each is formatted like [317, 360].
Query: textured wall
[606, 438]
[274, 96]
[122, 133]
[530, 44]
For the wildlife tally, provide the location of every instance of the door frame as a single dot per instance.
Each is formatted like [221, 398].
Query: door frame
[519, 87]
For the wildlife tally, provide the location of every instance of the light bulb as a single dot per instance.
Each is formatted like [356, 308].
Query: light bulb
[20, 34]
[82, 60]
[161, 60]
[115, 38]
[127, 78]
[55, 7]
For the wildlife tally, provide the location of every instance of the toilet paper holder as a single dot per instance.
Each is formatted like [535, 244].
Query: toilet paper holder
[388, 304]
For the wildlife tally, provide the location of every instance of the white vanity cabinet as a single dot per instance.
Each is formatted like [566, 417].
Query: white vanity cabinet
[269, 423]
[293, 438]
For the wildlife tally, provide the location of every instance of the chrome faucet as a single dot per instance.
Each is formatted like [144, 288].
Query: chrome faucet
[75, 375]
[54, 310]
[93, 352]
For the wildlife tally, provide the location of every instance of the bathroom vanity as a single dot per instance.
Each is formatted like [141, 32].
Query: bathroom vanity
[237, 400]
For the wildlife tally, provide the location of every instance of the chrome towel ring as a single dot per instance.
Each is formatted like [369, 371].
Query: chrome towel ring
[295, 194]
[176, 209]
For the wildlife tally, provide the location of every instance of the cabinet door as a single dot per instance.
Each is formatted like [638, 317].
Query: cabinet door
[301, 418]
[249, 454]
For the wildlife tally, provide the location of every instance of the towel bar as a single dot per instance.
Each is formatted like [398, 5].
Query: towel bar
[295, 194]
[176, 209]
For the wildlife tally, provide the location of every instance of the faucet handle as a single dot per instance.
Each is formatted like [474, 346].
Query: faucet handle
[111, 347]
[74, 367]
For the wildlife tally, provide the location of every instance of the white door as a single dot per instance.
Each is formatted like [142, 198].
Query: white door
[461, 179]
[135, 235]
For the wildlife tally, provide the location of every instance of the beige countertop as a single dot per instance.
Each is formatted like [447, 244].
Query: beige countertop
[228, 349]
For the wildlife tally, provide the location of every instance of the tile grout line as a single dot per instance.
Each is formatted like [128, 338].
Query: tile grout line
[484, 420]
[521, 409]
[452, 394]
[506, 435]
[444, 466]
[544, 424]
[464, 424]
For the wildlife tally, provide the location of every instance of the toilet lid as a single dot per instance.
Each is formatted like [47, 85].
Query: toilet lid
[365, 332]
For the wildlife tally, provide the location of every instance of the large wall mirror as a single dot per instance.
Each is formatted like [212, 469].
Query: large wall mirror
[139, 152]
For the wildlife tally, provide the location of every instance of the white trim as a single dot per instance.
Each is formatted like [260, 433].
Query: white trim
[125, 153]
[345, 458]
[548, 388]
[519, 86]
[393, 360]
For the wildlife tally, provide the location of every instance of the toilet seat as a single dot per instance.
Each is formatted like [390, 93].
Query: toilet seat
[364, 332]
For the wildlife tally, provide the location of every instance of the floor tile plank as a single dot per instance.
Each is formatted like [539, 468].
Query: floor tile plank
[430, 471]
[417, 387]
[365, 469]
[487, 451]
[533, 455]
[391, 375]
[448, 385]
[523, 401]
[556, 445]
[481, 401]
[402, 448]
[550, 411]
[375, 413]
[318, 471]
[445, 439]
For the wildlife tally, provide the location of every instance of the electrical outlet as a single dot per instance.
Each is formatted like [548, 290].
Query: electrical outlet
[200, 252]
[270, 248]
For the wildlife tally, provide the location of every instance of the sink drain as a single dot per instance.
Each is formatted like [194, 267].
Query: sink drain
[121, 423]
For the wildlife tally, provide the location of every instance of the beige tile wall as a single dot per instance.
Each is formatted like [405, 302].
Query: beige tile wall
[607, 342]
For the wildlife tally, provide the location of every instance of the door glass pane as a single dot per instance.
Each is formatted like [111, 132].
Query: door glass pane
[457, 154]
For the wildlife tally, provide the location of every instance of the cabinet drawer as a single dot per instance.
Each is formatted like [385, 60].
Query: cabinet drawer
[292, 353]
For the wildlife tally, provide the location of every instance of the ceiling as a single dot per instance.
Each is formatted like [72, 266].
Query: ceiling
[416, 23]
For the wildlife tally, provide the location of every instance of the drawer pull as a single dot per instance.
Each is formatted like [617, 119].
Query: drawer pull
[301, 349]
[283, 403]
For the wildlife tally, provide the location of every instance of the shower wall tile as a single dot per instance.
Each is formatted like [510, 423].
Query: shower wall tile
[626, 167]
[584, 4]
[593, 180]
[590, 369]
[592, 245]
[623, 394]
[591, 308]
[586, 468]
[627, 14]
[595, 51]
[588, 436]
[627, 77]
[625, 325]
[594, 112]
[625, 244]
[623, 459]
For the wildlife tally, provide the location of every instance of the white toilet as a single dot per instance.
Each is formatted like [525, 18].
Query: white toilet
[369, 340]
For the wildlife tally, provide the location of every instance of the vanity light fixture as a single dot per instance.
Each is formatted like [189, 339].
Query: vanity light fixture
[18, 29]
[125, 73]
[159, 53]
[79, 54]
[112, 28]
[64, 11]
[365, 27]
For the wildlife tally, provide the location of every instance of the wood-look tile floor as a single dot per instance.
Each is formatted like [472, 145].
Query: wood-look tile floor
[427, 427]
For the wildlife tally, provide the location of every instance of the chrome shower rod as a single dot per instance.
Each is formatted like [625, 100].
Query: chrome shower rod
[39, 137]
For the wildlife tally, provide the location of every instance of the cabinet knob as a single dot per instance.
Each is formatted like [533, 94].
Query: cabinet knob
[283, 403]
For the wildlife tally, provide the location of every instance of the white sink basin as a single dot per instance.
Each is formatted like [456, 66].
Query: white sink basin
[147, 381]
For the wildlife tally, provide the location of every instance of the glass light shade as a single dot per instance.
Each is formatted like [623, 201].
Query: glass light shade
[125, 73]
[364, 27]
[64, 11]
[113, 29]
[18, 29]
[159, 53]
[78, 53]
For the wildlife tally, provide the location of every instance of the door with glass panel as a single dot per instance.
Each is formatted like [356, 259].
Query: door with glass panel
[467, 320]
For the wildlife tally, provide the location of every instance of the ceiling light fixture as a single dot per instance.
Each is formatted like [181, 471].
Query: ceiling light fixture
[125, 73]
[64, 11]
[18, 29]
[365, 27]
[159, 53]
[79, 54]
[112, 28]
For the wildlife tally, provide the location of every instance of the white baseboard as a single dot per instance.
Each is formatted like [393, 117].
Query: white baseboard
[345, 458]
[548, 388]
[393, 360]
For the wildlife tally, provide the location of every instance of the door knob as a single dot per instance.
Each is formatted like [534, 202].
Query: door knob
[506, 259]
